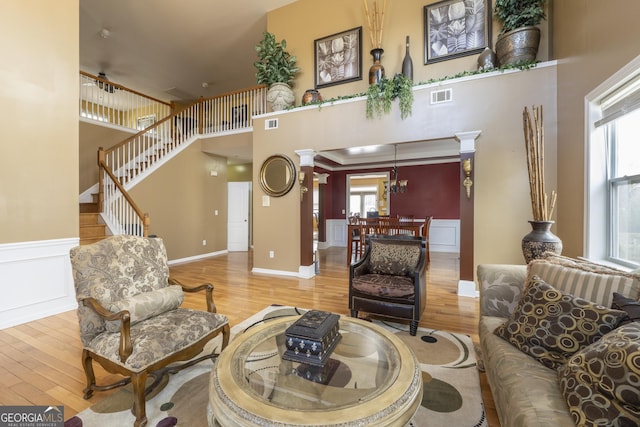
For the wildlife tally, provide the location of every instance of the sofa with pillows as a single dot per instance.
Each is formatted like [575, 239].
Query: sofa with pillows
[560, 343]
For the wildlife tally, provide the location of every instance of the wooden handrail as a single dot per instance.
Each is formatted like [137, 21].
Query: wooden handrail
[144, 217]
[234, 92]
[116, 85]
[142, 132]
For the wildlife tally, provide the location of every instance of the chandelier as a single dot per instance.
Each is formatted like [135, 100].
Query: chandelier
[395, 185]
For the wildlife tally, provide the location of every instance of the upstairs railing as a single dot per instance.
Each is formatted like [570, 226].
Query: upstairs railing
[233, 110]
[127, 162]
[107, 102]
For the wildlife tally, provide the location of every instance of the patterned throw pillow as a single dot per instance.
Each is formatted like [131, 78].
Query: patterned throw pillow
[550, 326]
[146, 305]
[601, 383]
[629, 305]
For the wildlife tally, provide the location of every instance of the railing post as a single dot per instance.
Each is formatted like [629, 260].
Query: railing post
[101, 161]
[201, 115]
[145, 225]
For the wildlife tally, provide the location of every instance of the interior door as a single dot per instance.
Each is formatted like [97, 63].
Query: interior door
[238, 196]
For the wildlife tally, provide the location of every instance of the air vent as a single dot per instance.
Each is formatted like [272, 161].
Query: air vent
[441, 96]
[271, 124]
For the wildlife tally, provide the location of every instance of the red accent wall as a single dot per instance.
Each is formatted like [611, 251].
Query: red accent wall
[432, 190]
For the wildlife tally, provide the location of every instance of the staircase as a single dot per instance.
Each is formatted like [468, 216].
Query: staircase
[91, 229]
[164, 133]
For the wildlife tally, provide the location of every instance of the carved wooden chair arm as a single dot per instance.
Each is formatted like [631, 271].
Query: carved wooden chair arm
[208, 287]
[125, 347]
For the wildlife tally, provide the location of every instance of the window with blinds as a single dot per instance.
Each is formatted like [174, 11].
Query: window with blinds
[620, 124]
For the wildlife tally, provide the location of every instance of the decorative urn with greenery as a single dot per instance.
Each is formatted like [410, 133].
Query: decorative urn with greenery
[276, 68]
[519, 38]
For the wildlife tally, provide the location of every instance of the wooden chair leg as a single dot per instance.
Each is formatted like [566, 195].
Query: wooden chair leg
[87, 364]
[138, 381]
[226, 333]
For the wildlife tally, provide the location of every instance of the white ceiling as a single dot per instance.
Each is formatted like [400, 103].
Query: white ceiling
[167, 49]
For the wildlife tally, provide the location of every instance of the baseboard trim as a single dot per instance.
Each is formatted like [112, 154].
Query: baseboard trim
[196, 257]
[467, 288]
[275, 272]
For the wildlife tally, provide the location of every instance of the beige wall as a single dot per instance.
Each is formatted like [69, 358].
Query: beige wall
[307, 20]
[39, 120]
[181, 198]
[491, 104]
[92, 137]
[592, 39]
[240, 173]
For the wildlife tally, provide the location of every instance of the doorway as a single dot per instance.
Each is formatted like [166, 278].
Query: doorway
[366, 194]
[238, 216]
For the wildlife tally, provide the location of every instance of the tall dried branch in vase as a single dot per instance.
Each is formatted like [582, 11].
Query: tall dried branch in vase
[541, 206]
[375, 22]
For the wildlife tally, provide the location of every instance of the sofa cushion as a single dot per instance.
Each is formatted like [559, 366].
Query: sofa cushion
[395, 257]
[384, 285]
[629, 305]
[526, 393]
[550, 325]
[584, 279]
[146, 305]
[601, 383]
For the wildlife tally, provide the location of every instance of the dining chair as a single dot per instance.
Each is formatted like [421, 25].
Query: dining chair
[388, 226]
[425, 235]
[357, 232]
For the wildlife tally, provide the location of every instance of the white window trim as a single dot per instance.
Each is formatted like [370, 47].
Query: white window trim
[596, 199]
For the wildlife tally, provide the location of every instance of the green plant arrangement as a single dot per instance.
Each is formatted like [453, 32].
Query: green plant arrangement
[514, 14]
[381, 94]
[274, 64]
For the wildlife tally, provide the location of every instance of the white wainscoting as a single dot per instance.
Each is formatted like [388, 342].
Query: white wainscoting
[444, 234]
[36, 280]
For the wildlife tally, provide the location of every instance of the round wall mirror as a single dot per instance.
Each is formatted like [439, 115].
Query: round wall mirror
[277, 175]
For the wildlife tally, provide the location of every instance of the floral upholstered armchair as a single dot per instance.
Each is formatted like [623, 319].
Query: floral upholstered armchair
[390, 280]
[129, 315]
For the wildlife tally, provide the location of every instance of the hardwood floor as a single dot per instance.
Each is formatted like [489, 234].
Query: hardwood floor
[40, 360]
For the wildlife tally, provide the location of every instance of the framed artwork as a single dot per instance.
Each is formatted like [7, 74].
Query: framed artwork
[338, 58]
[455, 28]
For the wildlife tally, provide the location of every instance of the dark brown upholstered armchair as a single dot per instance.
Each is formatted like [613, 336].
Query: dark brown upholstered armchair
[390, 279]
[129, 315]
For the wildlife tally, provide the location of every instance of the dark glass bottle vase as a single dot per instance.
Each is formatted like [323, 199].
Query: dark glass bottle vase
[540, 240]
[407, 63]
[376, 72]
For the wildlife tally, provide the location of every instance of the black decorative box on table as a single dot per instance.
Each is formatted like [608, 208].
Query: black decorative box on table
[312, 337]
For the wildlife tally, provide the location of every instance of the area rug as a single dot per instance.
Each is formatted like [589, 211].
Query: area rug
[451, 394]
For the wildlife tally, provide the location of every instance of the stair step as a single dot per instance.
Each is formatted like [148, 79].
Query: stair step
[88, 207]
[95, 230]
[89, 218]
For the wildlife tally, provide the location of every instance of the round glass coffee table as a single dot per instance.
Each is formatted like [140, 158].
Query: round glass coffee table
[371, 379]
